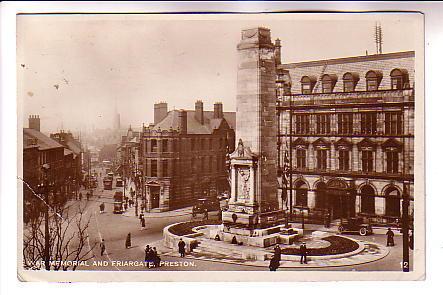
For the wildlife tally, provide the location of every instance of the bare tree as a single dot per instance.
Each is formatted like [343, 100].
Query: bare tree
[68, 240]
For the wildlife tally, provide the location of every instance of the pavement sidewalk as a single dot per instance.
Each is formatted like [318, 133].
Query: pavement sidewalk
[179, 212]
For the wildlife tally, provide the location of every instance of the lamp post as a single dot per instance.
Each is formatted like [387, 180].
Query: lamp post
[44, 189]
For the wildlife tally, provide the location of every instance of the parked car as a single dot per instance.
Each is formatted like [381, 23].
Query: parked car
[205, 204]
[355, 225]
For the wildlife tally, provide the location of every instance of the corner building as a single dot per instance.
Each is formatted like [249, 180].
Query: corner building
[346, 135]
[184, 155]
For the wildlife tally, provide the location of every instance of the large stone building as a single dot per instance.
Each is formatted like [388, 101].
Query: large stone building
[38, 150]
[346, 134]
[183, 155]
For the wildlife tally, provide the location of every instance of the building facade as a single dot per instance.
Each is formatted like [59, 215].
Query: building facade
[346, 135]
[183, 155]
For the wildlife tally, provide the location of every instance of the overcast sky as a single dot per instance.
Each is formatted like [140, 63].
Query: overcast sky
[75, 71]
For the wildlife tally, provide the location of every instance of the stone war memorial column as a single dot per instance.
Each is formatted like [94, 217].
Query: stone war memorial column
[253, 214]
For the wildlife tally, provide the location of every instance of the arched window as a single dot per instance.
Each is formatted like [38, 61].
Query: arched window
[367, 200]
[373, 79]
[399, 79]
[350, 80]
[321, 200]
[392, 202]
[307, 84]
[328, 83]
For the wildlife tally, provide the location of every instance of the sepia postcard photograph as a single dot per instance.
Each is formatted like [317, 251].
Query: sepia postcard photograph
[220, 147]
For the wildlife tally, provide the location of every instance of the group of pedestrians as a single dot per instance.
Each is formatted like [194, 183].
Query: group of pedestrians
[274, 263]
[151, 257]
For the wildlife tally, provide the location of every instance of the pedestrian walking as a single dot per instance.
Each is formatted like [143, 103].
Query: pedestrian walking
[277, 253]
[274, 264]
[327, 220]
[303, 254]
[206, 215]
[181, 248]
[390, 238]
[147, 255]
[102, 207]
[80, 196]
[142, 222]
[156, 258]
[128, 241]
[126, 206]
[102, 247]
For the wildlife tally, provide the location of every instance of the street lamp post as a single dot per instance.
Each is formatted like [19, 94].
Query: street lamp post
[43, 188]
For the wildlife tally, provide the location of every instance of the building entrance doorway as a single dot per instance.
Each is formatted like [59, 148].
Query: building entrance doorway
[341, 200]
[154, 193]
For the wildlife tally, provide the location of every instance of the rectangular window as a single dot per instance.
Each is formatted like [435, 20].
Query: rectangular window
[393, 123]
[323, 124]
[396, 83]
[301, 158]
[344, 123]
[164, 145]
[392, 161]
[321, 159]
[367, 161]
[306, 88]
[327, 87]
[348, 86]
[153, 145]
[371, 85]
[343, 160]
[153, 168]
[369, 123]
[302, 124]
[165, 168]
[210, 164]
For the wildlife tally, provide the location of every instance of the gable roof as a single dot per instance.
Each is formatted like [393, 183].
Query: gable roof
[171, 121]
[44, 142]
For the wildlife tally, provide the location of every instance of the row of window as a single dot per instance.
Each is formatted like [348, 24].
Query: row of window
[367, 199]
[367, 160]
[393, 123]
[399, 80]
[153, 145]
[193, 165]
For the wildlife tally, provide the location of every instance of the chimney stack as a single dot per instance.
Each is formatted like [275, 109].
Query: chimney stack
[183, 121]
[160, 111]
[218, 110]
[34, 122]
[199, 111]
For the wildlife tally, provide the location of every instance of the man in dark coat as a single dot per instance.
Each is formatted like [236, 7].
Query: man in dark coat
[142, 222]
[303, 254]
[147, 256]
[390, 238]
[274, 263]
[128, 241]
[102, 247]
[181, 248]
[155, 257]
[277, 253]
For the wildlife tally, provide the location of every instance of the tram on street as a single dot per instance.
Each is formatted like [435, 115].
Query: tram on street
[107, 183]
[118, 202]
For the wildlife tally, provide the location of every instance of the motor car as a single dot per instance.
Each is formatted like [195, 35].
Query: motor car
[204, 204]
[355, 225]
